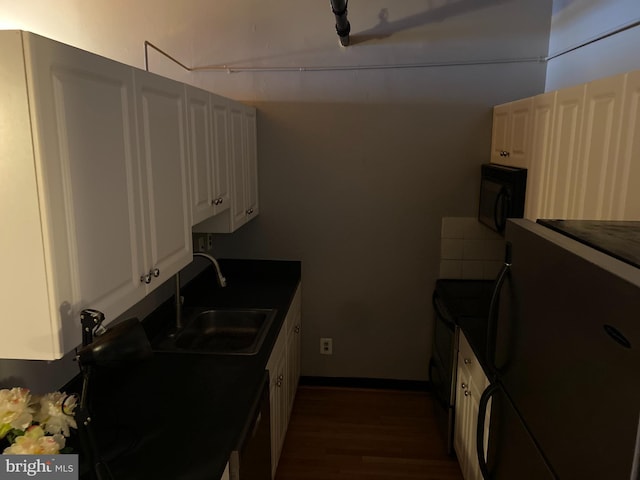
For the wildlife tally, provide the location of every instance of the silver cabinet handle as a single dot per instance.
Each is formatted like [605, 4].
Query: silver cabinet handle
[467, 361]
[155, 272]
[145, 278]
[467, 393]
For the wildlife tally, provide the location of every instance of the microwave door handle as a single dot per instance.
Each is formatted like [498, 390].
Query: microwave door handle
[492, 322]
[482, 414]
[500, 209]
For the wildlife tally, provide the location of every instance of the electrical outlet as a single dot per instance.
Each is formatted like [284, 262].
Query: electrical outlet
[326, 346]
[209, 241]
[199, 243]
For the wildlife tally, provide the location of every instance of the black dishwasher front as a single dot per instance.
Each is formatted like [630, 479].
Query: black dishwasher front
[251, 460]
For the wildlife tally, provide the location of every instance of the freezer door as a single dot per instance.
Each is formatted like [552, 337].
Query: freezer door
[512, 452]
[568, 351]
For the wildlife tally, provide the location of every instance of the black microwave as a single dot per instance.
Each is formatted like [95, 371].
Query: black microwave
[502, 193]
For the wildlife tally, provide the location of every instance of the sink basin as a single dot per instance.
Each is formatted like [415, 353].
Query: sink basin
[221, 331]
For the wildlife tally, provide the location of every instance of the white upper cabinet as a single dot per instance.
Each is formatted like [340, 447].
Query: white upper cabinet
[584, 150]
[207, 120]
[162, 133]
[69, 181]
[94, 190]
[510, 136]
[243, 172]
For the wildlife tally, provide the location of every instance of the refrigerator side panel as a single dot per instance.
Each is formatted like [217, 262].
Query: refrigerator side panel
[568, 353]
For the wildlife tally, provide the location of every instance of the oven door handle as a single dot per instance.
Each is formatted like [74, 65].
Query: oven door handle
[440, 311]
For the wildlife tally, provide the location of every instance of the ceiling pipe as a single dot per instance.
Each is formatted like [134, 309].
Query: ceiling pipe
[339, 9]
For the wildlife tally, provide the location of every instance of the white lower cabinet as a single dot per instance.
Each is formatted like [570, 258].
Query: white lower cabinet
[284, 373]
[225, 474]
[471, 382]
[85, 223]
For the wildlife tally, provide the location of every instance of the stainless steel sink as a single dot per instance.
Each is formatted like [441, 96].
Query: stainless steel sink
[220, 331]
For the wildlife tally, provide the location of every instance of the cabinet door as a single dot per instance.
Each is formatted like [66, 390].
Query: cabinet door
[462, 420]
[623, 197]
[161, 118]
[500, 132]
[539, 164]
[567, 124]
[294, 325]
[220, 133]
[277, 398]
[200, 154]
[82, 112]
[595, 164]
[511, 133]
[471, 382]
[251, 162]
[238, 206]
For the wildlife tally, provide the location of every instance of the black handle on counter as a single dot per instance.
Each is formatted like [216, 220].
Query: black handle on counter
[492, 323]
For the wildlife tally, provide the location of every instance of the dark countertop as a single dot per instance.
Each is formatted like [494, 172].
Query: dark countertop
[466, 304]
[179, 415]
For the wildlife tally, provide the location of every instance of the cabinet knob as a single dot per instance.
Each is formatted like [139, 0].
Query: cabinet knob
[220, 200]
[464, 386]
[467, 361]
[249, 211]
[155, 272]
[297, 329]
[145, 278]
[214, 202]
[467, 393]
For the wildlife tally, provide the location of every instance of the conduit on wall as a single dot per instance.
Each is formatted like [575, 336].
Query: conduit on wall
[335, 68]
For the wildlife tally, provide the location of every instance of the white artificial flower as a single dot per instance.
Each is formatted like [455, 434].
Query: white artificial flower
[15, 411]
[56, 413]
[34, 442]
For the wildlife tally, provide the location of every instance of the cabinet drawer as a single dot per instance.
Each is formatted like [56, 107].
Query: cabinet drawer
[469, 361]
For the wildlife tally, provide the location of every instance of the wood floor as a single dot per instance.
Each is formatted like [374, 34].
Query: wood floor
[357, 434]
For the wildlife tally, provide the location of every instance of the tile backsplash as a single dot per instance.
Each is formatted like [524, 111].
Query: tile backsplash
[469, 250]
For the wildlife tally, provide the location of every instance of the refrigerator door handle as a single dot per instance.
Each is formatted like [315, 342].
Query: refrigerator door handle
[492, 323]
[482, 413]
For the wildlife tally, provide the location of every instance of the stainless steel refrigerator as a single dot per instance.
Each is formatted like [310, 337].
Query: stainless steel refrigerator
[564, 354]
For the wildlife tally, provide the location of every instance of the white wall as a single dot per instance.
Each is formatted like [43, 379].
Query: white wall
[357, 166]
[575, 22]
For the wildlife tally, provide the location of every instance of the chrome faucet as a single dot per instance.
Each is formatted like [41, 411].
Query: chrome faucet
[216, 266]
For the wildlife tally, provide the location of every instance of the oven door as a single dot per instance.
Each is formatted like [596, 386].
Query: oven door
[442, 370]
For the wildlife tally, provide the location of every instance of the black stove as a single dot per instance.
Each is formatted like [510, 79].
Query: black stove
[457, 304]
